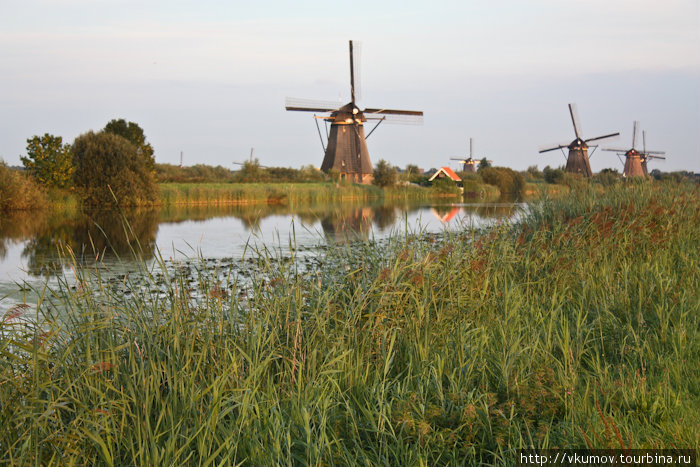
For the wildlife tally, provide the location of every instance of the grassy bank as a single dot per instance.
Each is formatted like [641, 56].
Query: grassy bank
[576, 327]
[284, 193]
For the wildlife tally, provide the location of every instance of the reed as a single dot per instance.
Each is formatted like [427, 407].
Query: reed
[281, 193]
[576, 326]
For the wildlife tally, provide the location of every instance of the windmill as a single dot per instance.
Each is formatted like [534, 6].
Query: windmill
[250, 161]
[346, 149]
[635, 160]
[577, 161]
[469, 162]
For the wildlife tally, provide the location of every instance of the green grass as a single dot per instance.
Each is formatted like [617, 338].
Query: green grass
[576, 327]
[281, 193]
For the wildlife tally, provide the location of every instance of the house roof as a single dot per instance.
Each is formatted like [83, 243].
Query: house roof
[448, 172]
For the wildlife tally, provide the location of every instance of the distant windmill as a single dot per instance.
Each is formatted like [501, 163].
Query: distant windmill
[577, 160]
[469, 162]
[251, 160]
[636, 161]
[346, 150]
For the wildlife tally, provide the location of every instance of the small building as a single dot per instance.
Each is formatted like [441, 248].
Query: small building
[445, 172]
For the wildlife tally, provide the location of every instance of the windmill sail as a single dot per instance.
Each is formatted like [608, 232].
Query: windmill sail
[577, 160]
[346, 152]
[636, 160]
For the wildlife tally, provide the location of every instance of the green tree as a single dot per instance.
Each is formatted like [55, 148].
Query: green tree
[106, 163]
[134, 134]
[384, 174]
[483, 164]
[507, 180]
[553, 175]
[49, 161]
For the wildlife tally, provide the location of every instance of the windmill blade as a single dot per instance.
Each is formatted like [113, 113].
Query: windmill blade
[611, 135]
[471, 147]
[656, 157]
[553, 148]
[398, 119]
[654, 152]
[615, 150]
[310, 105]
[393, 112]
[355, 68]
[635, 126]
[575, 120]
[644, 141]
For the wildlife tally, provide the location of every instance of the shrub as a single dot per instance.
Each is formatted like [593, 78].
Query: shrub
[553, 175]
[607, 177]
[18, 191]
[445, 185]
[384, 174]
[108, 167]
[507, 180]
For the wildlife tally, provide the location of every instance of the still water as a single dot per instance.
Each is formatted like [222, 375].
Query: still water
[35, 247]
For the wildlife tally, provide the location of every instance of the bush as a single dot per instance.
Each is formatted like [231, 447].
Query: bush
[18, 191]
[507, 180]
[607, 177]
[446, 185]
[108, 166]
[384, 174]
[553, 175]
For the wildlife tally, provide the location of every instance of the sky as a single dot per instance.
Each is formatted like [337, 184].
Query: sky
[209, 79]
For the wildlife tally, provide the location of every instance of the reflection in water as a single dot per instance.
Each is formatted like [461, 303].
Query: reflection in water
[445, 213]
[348, 225]
[106, 234]
[89, 236]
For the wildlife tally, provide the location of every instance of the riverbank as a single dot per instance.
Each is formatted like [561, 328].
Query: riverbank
[576, 327]
[283, 193]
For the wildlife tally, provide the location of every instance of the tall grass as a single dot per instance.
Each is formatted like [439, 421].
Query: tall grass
[284, 193]
[577, 326]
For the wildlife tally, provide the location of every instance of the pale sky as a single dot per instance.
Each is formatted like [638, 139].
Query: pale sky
[210, 78]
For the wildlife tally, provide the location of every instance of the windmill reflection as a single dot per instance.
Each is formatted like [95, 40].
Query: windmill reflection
[343, 226]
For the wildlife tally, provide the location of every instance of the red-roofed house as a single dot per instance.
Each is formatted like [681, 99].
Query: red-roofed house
[445, 172]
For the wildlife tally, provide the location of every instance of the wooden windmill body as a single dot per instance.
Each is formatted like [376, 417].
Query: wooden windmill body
[577, 160]
[346, 150]
[635, 160]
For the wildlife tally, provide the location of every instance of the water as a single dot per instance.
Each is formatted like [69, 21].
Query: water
[33, 247]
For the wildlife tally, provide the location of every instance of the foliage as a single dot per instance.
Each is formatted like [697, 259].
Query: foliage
[49, 161]
[507, 180]
[200, 173]
[385, 175]
[534, 173]
[608, 177]
[451, 349]
[553, 175]
[134, 134]
[108, 166]
[682, 176]
[445, 186]
[483, 164]
[18, 191]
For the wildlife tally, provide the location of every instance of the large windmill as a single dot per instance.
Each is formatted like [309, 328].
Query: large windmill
[577, 160]
[346, 149]
[469, 162]
[635, 160]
